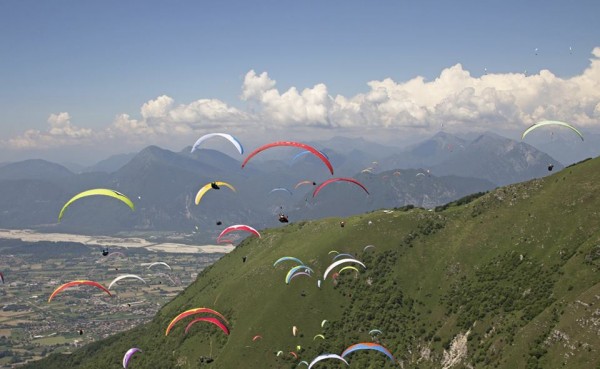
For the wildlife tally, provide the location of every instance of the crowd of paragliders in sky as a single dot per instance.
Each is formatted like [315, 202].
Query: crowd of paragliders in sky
[345, 262]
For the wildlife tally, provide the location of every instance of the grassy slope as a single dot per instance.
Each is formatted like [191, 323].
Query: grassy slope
[516, 268]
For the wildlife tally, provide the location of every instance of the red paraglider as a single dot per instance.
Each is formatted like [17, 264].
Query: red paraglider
[212, 320]
[238, 227]
[311, 149]
[192, 312]
[351, 180]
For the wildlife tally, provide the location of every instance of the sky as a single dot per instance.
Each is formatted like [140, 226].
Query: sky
[80, 80]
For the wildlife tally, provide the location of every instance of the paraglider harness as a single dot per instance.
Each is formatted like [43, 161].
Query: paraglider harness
[283, 218]
[105, 252]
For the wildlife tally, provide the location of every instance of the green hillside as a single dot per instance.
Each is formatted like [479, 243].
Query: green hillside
[507, 280]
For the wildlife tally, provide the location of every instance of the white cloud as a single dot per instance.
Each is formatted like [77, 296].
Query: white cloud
[456, 99]
[61, 132]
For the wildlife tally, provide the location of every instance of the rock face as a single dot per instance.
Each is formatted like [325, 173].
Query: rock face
[457, 351]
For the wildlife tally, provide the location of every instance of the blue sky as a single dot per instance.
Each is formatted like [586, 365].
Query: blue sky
[96, 60]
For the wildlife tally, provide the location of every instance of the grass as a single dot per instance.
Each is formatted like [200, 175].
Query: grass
[516, 269]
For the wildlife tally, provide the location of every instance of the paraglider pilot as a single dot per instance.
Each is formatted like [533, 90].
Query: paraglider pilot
[283, 218]
[105, 252]
[215, 186]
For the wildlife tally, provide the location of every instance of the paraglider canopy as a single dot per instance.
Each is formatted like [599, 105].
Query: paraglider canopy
[128, 355]
[551, 122]
[229, 137]
[94, 192]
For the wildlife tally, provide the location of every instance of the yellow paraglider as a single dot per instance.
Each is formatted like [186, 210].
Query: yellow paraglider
[208, 186]
[97, 191]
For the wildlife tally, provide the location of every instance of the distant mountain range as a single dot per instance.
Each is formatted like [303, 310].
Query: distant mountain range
[163, 183]
[508, 279]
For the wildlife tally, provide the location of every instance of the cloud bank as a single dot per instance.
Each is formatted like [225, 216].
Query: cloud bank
[455, 101]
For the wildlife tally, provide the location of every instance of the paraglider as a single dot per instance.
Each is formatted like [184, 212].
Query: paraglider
[95, 192]
[281, 189]
[296, 269]
[325, 357]
[323, 323]
[283, 218]
[314, 151]
[159, 263]
[193, 312]
[374, 332]
[305, 152]
[294, 330]
[128, 355]
[2, 277]
[257, 337]
[367, 247]
[304, 183]
[238, 227]
[244, 259]
[77, 283]
[113, 255]
[299, 274]
[342, 224]
[212, 320]
[123, 277]
[208, 186]
[349, 267]
[229, 137]
[319, 336]
[551, 122]
[341, 255]
[351, 180]
[81, 332]
[550, 167]
[333, 265]
[368, 346]
[286, 258]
